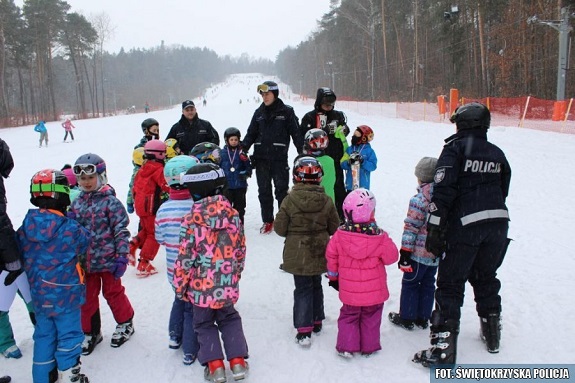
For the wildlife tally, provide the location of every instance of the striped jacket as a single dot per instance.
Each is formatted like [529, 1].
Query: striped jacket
[167, 225]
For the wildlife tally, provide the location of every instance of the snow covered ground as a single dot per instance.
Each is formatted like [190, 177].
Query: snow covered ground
[538, 309]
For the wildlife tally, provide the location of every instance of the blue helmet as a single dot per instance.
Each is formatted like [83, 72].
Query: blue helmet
[177, 166]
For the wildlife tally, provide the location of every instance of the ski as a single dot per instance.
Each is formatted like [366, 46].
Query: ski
[355, 167]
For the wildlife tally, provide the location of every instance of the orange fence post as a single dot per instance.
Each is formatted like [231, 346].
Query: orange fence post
[441, 107]
[559, 108]
[453, 100]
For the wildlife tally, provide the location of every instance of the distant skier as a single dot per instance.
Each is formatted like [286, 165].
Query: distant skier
[67, 125]
[41, 128]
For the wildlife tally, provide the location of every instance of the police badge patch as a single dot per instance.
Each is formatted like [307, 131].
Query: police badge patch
[439, 175]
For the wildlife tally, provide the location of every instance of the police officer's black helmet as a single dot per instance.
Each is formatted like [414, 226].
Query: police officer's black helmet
[471, 116]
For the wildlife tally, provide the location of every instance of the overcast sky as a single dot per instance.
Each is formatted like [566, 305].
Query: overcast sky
[260, 28]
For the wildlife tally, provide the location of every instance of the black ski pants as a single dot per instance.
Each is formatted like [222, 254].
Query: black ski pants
[473, 254]
[266, 172]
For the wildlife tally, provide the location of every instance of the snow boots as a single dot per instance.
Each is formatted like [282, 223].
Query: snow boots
[145, 268]
[303, 339]
[72, 375]
[267, 228]
[443, 350]
[123, 332]
[491, 332]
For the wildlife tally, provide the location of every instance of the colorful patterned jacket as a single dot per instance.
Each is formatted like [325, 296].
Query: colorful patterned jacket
[107, 220]
[212, 254]
[415, 226]
[50, 244]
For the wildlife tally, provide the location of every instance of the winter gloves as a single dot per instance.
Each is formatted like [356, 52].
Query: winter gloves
[130, 208]
[435, 243]
[334, 283]
[404, 263]
[12, 276]
[355, 158]
[120, 267]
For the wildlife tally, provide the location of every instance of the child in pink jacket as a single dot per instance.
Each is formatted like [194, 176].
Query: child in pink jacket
[356, 258]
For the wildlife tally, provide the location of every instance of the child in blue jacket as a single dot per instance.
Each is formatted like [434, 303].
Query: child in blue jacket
[359, 151]
[237, 167]
[50, 244]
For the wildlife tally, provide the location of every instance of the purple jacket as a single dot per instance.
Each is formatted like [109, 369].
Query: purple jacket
[359, 261]
[107, 220]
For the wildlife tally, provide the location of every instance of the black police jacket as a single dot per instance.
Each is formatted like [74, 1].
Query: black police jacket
[190, 133]
[334, 118]
[471, 181]
[270, 130]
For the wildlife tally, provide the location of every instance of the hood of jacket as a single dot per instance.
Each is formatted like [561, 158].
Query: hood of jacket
[360, 246]
[308, 198]
[321, 92]
[215, 212]
[48, 225]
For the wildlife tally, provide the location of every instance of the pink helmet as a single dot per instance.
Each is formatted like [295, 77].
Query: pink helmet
[155, 149]
[69, 173]
[359, 206]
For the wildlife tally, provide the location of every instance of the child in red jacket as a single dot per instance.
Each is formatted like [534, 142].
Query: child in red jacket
[149, 185]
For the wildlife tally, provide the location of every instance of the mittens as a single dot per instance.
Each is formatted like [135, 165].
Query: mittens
[12, 276]
[404, 263]
[355, 158]
[120, 267]
[334, 283]
[130, 208]
[435, 242]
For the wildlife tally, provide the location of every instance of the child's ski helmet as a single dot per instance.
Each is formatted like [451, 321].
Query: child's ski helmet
[49, 189]
[307, 169]
[69, 173]
[232, 132]
[177, 166]
[148, 123]
[315, 139]
[172, 148]
[207, 152]
[89, 164]
[204, 179]
[359, 206]
[155, 150]
[138, 156]
[366, 134]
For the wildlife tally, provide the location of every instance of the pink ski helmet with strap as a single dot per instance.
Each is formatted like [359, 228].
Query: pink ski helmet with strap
[359, 206]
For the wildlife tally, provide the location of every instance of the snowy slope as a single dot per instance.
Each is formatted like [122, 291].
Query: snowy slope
[536, 275]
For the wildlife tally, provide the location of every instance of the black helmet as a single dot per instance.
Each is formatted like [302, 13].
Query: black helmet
[148, 123]
[471, 116]
[231, 132]
[206, 152]
[203, 180]
[269, 86]
[324, 96]
[49, 189]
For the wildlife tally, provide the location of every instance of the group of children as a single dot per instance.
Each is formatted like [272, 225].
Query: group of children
[187, 203]
[41, 128]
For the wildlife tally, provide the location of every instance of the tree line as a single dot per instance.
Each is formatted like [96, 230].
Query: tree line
[53, 62]
[413, 50]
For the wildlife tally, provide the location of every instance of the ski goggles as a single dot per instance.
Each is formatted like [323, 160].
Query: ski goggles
[87, 169]
[48, 190]
[263, 88]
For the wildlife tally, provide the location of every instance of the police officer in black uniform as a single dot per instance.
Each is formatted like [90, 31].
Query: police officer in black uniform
[191, 130]
[467, 227]
[271, 127]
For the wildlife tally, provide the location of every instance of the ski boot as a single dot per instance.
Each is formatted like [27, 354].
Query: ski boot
[72, 375]
[239, 368]
[90, 342]
[134, 246]
[145, 269]
[303, 339]
[122, 334]
[397, 320]
[443, 350]
[215, 371]
[491, 331]
[12, 352]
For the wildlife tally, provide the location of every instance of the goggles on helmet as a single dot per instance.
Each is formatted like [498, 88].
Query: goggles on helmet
[87, 169]
[328, 100]
[49, 188]
[263, 88]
